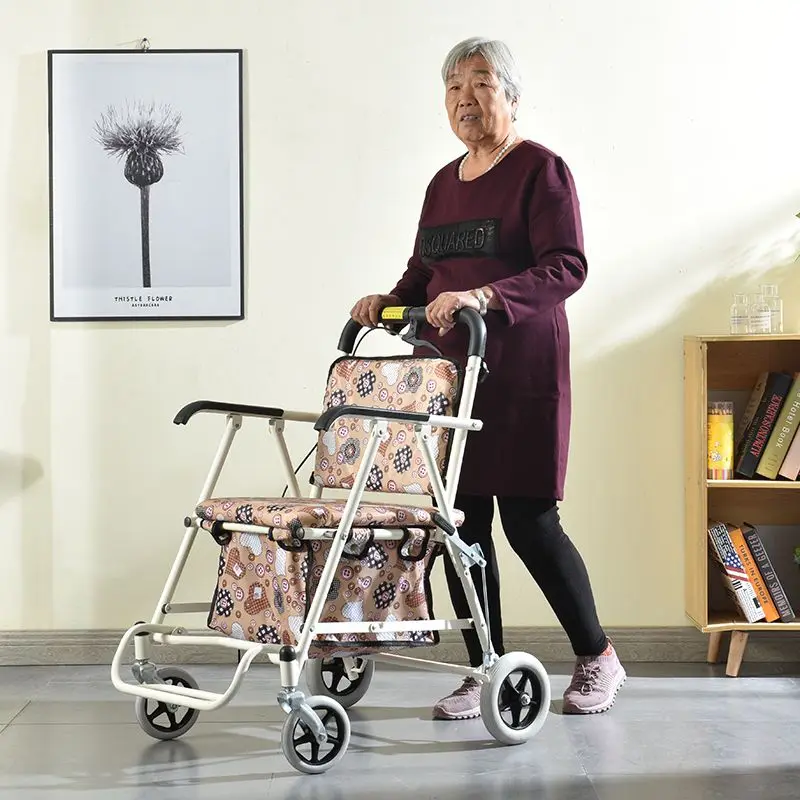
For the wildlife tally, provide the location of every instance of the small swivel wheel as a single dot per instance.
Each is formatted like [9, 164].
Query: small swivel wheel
[329, 677]
[516, 699]
[300, 744]
[167, 720]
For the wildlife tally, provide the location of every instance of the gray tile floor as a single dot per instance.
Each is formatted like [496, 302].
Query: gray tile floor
[677, 731]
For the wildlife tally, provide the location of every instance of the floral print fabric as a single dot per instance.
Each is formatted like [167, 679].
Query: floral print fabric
[421, 385]
[290, 515]
[264, 590]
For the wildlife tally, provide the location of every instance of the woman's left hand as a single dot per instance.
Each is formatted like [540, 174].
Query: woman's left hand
[441, 312]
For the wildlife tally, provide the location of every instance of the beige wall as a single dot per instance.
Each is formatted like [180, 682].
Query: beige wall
[680, 125]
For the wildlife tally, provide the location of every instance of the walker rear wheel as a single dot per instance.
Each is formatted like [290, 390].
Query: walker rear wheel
[329, 677]
[516, 699]
[300, 745]
[167, 720]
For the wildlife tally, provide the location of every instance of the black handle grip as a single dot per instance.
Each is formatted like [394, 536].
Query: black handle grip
[188, 411]
[405, 314]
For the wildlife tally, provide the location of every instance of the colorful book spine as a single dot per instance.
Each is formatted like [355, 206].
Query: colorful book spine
[774, 586]
[782, 434]
[743, 551]
[750, 409]
[790, 468]
[737, 581]
[754, 441]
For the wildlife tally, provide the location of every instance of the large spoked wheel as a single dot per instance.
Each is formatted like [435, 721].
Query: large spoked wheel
[329, 677]
[300, 745]
[167, 720]
[516, 699]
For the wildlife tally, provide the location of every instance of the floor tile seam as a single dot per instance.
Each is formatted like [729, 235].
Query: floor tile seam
[16, 716]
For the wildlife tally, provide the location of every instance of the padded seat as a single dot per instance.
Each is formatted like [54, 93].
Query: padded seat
[289, 513]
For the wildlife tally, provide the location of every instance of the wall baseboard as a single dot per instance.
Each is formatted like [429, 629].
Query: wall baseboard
[669, 644]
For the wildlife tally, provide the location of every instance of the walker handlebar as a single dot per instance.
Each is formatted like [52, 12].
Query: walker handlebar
[416, 315]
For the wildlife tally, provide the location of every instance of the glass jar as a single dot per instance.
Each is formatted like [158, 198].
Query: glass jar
[738, 316]
[759, 315]
[771, 298]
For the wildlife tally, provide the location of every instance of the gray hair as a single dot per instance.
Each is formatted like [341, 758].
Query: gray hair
[496, 54]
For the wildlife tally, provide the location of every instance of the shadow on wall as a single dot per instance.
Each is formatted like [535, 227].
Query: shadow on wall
[625, 481]
[17, 474]
[624, 496]
[28, 313]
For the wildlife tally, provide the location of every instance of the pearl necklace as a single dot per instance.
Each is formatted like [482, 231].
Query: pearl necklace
[511, 139]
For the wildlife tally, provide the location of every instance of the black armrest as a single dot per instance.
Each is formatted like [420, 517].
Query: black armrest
[327, 418]
[188, 411]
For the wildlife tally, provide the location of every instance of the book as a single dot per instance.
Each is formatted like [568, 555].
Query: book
[790, 466]
[750, 409]
[782, 433]
[764, 564]
[745, 556]
[733, 573]
[754, 441]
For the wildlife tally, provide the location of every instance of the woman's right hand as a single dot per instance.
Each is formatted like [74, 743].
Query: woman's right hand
[367, 310]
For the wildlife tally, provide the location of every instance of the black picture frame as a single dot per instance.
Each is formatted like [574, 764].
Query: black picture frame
[170, 124]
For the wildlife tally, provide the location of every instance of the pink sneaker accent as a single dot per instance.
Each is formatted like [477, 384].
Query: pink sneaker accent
[463, 703]
[595, 683]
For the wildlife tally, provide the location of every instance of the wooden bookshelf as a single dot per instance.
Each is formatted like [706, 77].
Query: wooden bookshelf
[720, 623]
[727, 367]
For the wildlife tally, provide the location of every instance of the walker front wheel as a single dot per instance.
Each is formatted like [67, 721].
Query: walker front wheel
[344, 679]
[300, 744]
[516, 699]
[167, 720]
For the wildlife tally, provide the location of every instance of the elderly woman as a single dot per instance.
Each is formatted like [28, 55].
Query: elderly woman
[500, 232]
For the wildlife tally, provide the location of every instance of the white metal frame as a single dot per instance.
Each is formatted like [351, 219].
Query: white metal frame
[145, 635]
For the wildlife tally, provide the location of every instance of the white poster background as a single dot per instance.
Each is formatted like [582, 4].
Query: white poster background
[195, 211]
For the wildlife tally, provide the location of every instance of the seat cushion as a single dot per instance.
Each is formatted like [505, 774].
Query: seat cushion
[289, 513]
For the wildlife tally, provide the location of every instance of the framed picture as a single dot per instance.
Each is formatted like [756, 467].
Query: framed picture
[146, 184]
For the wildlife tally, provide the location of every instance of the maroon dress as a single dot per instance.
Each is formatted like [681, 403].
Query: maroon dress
[516, 228]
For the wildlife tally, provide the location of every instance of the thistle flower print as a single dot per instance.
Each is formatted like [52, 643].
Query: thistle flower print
[142, 137]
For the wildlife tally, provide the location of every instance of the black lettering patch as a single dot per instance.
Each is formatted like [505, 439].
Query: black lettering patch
[471, 238]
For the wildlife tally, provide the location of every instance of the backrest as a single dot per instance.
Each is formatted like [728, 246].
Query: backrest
[423, 384]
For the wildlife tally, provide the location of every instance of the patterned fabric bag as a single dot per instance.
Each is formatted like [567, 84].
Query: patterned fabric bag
[265, 588]
[422, 384]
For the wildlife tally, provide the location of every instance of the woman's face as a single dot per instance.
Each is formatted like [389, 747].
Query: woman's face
[477, 106]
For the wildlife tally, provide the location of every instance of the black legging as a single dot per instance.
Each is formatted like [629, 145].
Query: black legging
[533, 530]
